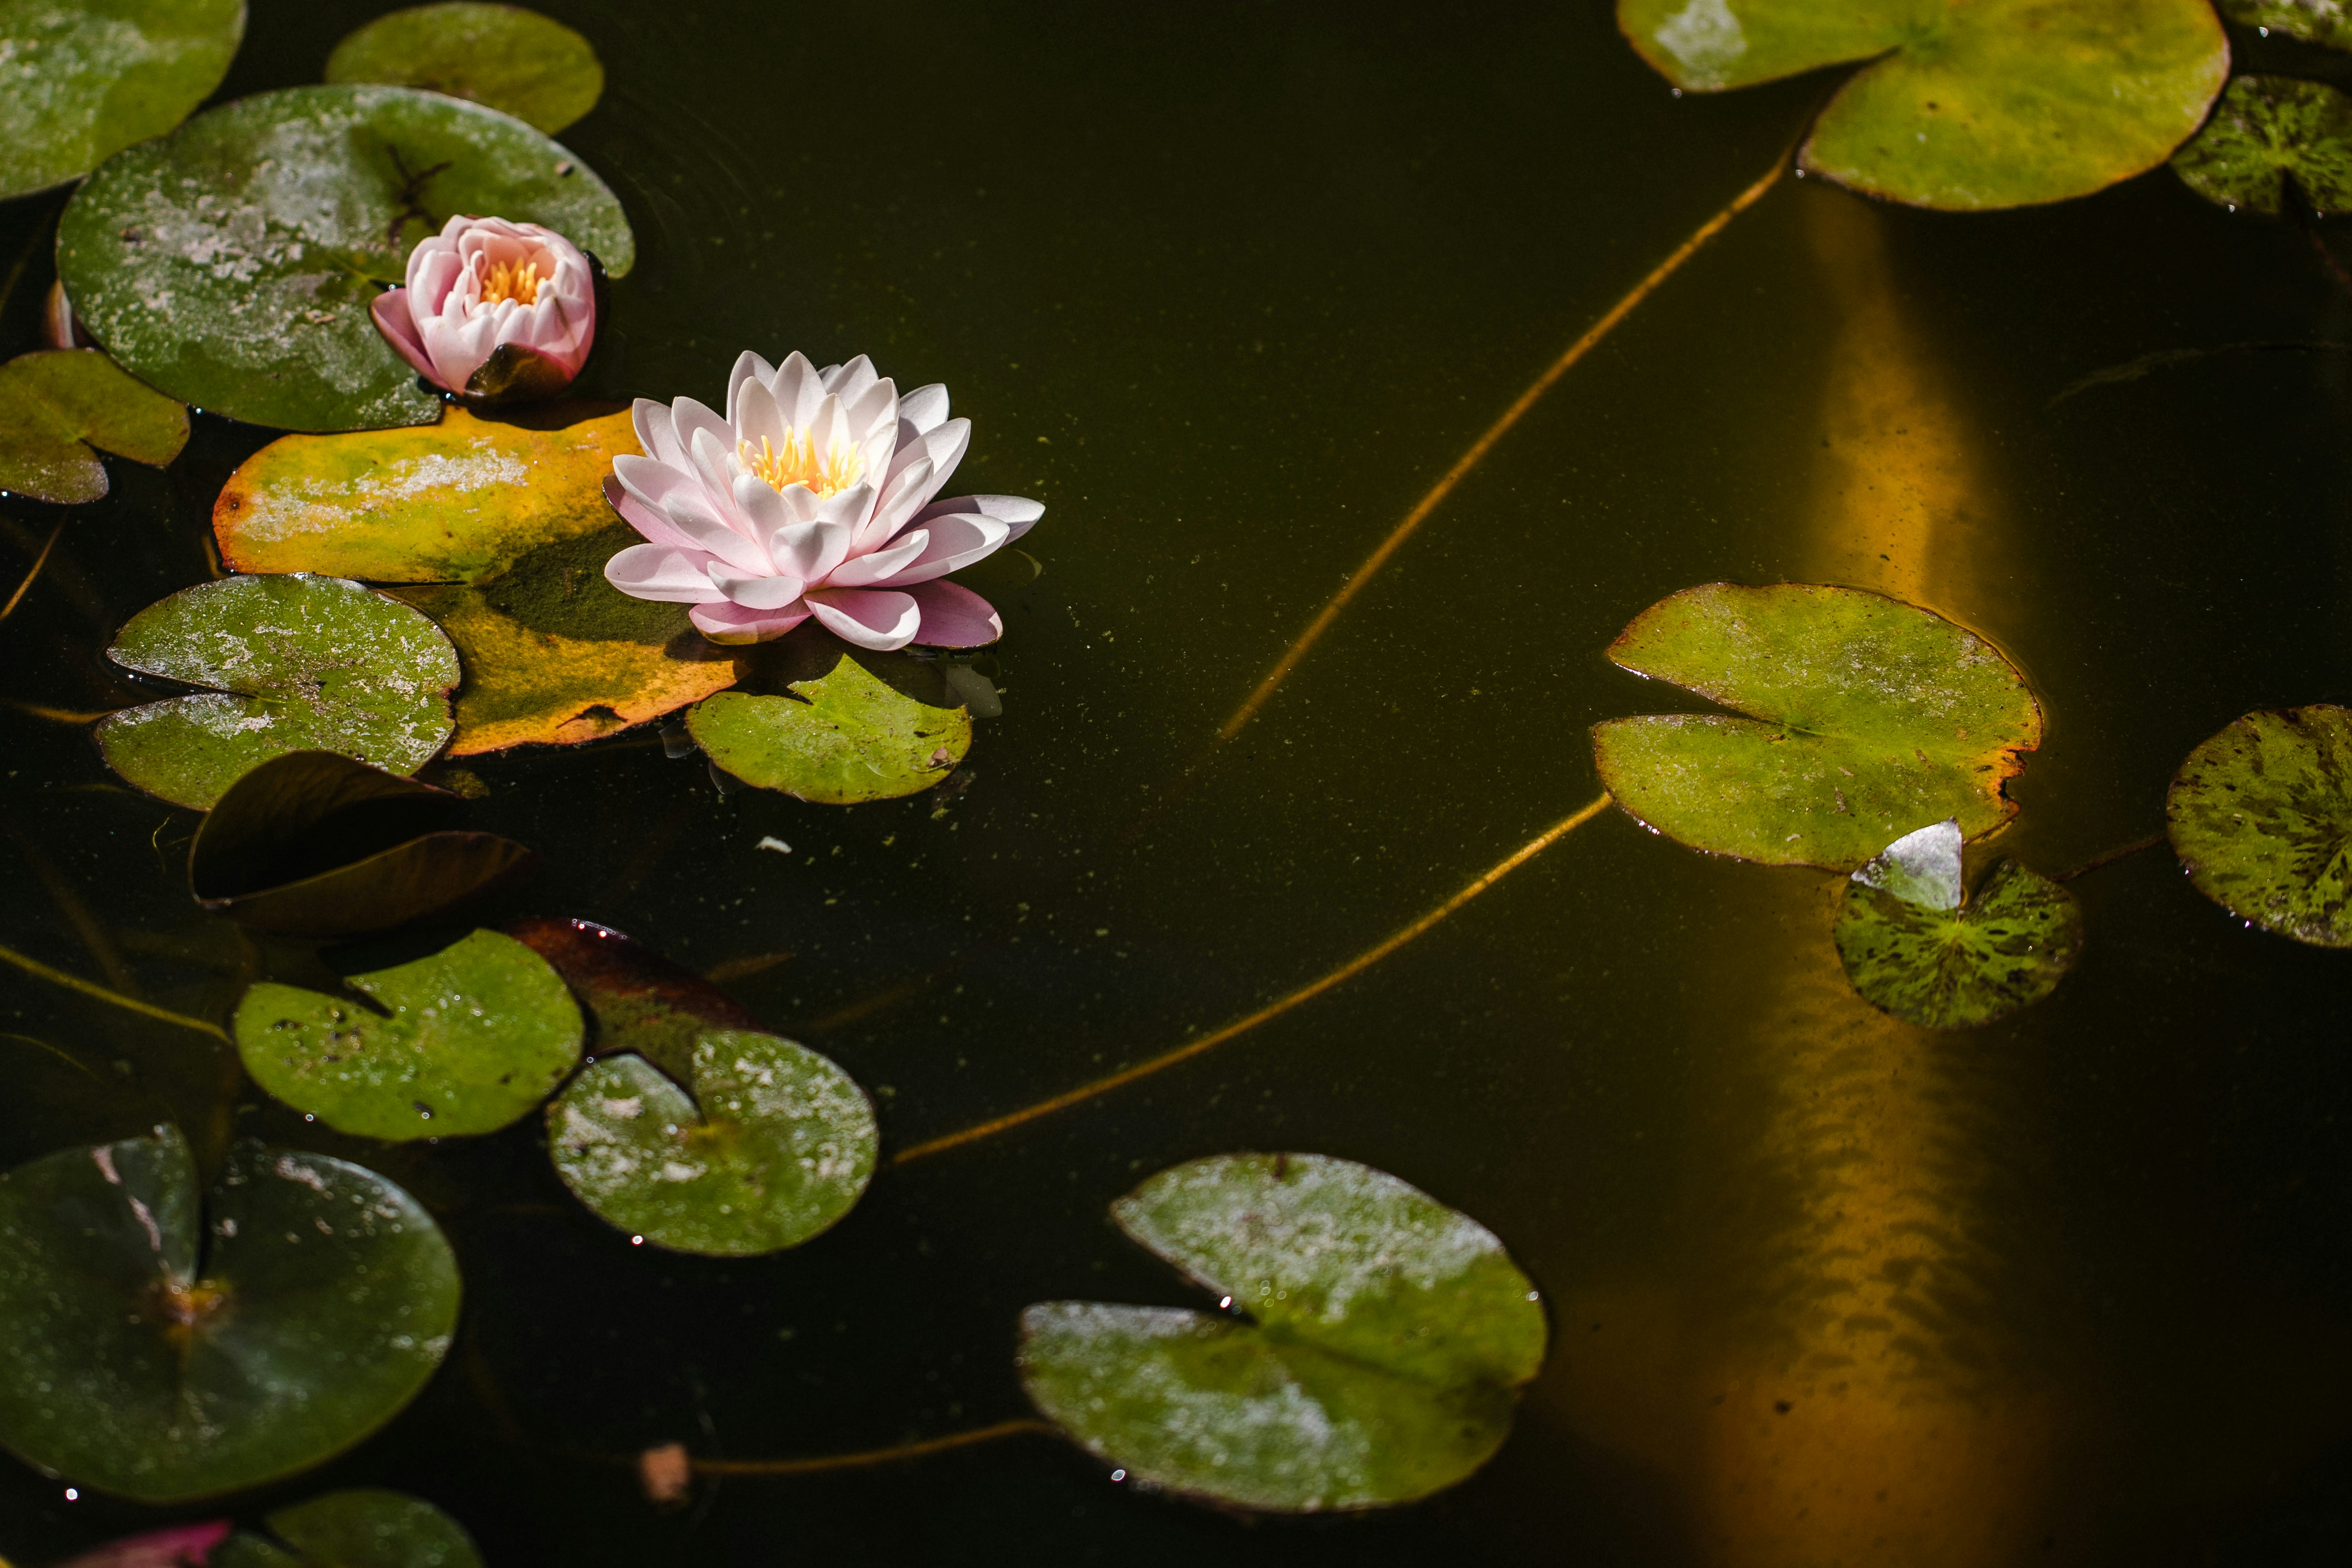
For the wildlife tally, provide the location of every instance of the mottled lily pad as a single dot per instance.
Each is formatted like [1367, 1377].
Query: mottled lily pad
[294, 663]
[530, 65]
[166, 1345]
[81, 79]
[360, 1528]
[315, 844]
[58, 403]
[503, 525]
[1862, 717]
[2261, 815]
[843, 736]
[1915, 947]
[2268, 130]
[1385, 1341]
[476, 1034]
[774, 1146]
[1964, 106]
[637, 1000]
[211, 266]
[2313, 21]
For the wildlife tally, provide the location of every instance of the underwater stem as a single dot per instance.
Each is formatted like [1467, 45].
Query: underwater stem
[1022, 1427]
[2122, 851]
[40, 562]
[76, 983]
[1313, 989]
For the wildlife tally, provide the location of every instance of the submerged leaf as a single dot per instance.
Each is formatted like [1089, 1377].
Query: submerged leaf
[210, 266]
[2313, 21]
[477, 1034]
[1914, 950]
[58, 403]
[166, 1353]
[847, 735]
[294, 663]
[637, 1000]
[174, 1546]
[2268, 130]
[1986, 103]
[315, 844]
[1862, 715]
[2261, 815]
[776, 1144]
[1390, 1335]
[81, 81]
[530, 65]
[364, 1527]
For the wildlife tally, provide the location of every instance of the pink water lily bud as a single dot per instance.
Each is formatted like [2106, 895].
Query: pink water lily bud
[179, 1546]
[494, 310]
[811, 496]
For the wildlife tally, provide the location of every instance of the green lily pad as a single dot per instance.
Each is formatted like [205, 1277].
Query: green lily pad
[58, 403]
[776, 1144]
[637, 1000]
[165, 1345]
[1387, 1338]
[843, 736]
[518, 61]
[476, 1034]
[2268, 130]
[295, 664]
[2261, 815]
[209, 266]
[315, 844]
[2313, 21]
[360, 1528]
[1862, 716]
[1915, 949]
[81, 79]
[1963, 106]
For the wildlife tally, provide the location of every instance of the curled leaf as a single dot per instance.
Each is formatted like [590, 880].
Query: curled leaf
[637, 1000]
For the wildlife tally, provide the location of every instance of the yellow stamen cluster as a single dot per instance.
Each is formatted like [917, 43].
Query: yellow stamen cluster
[515, 280]
[797, 462]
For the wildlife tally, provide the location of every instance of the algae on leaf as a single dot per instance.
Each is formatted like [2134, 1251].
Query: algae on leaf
[844, 736]
[530, 65]
[2268, 130]
[81, 79]
[1386, 1338]
[2261, 815]
[2313, 21]
[57, 404]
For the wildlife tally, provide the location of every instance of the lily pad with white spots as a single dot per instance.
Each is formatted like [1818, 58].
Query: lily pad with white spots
[1916, 945]
[467, 1040]
[81, 79]
[1960, 104]
[530, 65]
[842, 736]
[775, 1144]
[1856, 717]
[2261, 815]
[60, 407]
[232, 262]
[2270, 130]
[1370, 1350]
[166, 1344]
[293, 664]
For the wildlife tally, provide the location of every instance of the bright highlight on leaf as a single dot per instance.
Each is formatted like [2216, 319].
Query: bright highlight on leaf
[2261, 815]
[81, 81]
[293, 664]
[530, 65]
[166, 1344]
[1860, 718]
[843, 736]
[57, 404]
[1371, 1354]
[1962, 104]
[476, 1035]
[2267, 132]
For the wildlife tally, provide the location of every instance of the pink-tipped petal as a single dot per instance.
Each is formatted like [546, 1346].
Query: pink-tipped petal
[879, 620]
[727, 622]
[951, 543]
[754, 591]
[647, 520]
[955, 616]
[1019, 514]
[391, 316]
[664, 572]
[865, 571]
[749, 366]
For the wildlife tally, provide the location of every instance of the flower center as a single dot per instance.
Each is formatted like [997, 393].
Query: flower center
[797, 462]
[515, 280]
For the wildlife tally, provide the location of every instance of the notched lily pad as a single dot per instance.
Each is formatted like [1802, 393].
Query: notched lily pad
[81, 79]
[166, 1345]
[2268, 130]
[360, 1528]
[294, 663]
[1386, 1340]
[471, 1038]
[57, 404]
[853, 728]
[315, 844]
[2261, 816]
[1859, 715]
[530, 65]
[1964, 106]
[210, 266]
[775, 1144]
[635, 998]
[1914, 948]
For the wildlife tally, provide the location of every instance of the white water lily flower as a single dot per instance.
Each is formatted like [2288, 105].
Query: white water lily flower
[812, 496]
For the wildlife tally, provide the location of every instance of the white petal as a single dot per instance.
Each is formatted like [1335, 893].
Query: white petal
[906, 492]
[655, 433]
[861, 570]
[944, 446]
[810, 551]
[755, 590]
[659, 571]
[690, 416]
[1018, 513]
[798, 390]
[749, 366]
[879, 620]
[925, 408]
[755, 417]
[956, 541]
[850, 379]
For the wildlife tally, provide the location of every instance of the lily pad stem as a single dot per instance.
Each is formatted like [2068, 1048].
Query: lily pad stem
[2122, 852]
[40, 562]
[34, 967]
[1313, 989]
[869, 1457]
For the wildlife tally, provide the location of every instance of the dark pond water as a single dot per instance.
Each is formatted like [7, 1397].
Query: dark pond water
[1228, 286]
